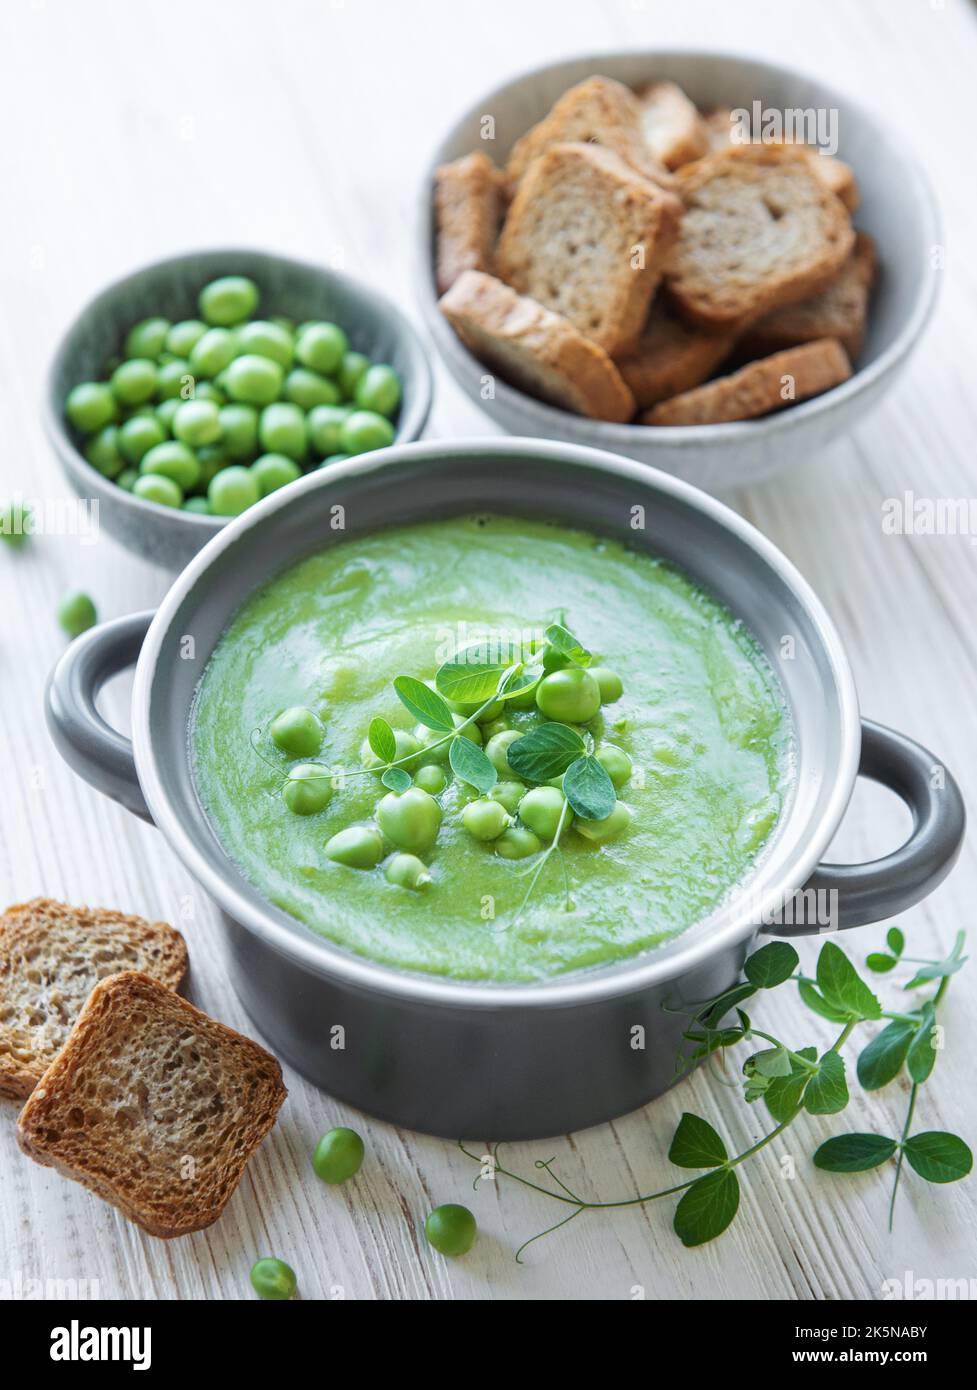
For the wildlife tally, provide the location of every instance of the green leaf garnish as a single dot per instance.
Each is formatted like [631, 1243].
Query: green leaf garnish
[396, 779]
[472, 675]
[470, 764]
[696, 1144]
[940, 969]
[827, 1090]
[772, 1062]
[783, 1095]
[938, 1156]
[921, 1058]
[567, 645]
[854, 1153]
[895, 941]
[707, 1208]
[881, 962]
[819, 1005]
[425, 704]
[771, 965]
[588, 788]
[882, 1059]
[382, 741]
[842, 987]
[545, 753]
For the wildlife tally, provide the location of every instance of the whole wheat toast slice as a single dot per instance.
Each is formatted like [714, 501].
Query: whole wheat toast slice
[671, 356]
[535, 349]
[468, 211]
[588, 238]
[758, 388]
[759, 230]
[51, 957]
[722, 130]
[152, 1105]
[599, 111]
[675, 131]
[840, 311]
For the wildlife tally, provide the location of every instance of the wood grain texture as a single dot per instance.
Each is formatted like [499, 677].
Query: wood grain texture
[187, 125]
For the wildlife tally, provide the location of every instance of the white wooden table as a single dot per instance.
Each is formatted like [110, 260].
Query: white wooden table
[134, 131]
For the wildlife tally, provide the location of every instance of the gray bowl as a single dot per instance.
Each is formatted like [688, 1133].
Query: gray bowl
[298, 289]
[897, 209]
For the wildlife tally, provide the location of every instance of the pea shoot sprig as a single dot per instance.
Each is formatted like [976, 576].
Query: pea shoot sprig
[791, 1083]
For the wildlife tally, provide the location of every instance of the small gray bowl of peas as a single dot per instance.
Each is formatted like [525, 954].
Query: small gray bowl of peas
[194, 387]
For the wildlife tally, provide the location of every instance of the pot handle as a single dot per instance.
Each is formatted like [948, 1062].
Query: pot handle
[884, 887]
[90, 746]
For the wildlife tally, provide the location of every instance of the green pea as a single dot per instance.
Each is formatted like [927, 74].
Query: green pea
[358, 847]
[229, 300]
[254, 380]
[15, 523]
[154, 487]
[570, 696]
[174, 379]
[134, 381]
[212, 460]
[497, 751]
[429, 737]
[321, 346]
[172, 460]
[365, 431]
[600, 831]
[517, 843]
[103, 450]
[76, 613]
[485, 819]
[213, 352]
[410, 820]
[267, 340]
[508, 794]
[325, 423]
[407, 871]
[308, 789]
[493, 727]
[197, 422]
[333, 458]
[525, 700]
[274, 471]
[338, 1155]
[127, 479]
[232, 491]
[609, 682]
[378, 389]
[431, 779]
[138, 435]
[309, 389]
[298, 731]
[239, 430]
[352, 368]
[615, 763]
[407, 747]
[541, 809]
[90, 406]
[208, 391]
[147, 339]
[281, 430]
[451, 1229]
[183, 336]
[273, 1279]
[198, 505]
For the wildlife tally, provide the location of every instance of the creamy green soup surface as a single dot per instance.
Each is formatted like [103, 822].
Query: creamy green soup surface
[701, 716]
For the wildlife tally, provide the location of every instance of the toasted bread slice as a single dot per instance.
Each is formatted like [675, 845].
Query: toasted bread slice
[152, 1105]
[840, 311]
[468, 211]
[758, 388]
[588, 238]
[671, 356]
[51, 957]
[759, 231]
[719, 125]
[535, 349]
[598, 111]
[675, 131]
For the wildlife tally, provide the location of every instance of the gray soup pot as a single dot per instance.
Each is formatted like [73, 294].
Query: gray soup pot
[525, 1060]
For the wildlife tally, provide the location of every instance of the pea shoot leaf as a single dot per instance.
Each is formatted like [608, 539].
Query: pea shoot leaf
[707, 1208]
[425, 704]
[827, 1090]
[921, 1058]
[518, 681]
[895, 941]
[817, 1004]
[396, 779]
[938, 969]
[881, 962]
[470, 764]
[545, 753]
[771, 965]
[938, 1156]
[771, 1062]
[563, 641]
[842, 987]
[696, 1144]
[783, 1095]
[382, 741]
[715, 1010]
[854, 1153]
[472, 675]
[588, 788]
[882, 1059]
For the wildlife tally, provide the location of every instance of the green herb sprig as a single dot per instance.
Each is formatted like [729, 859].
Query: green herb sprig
[793, 1082]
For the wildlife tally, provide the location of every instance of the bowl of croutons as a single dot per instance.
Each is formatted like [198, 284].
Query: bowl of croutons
[711, 264]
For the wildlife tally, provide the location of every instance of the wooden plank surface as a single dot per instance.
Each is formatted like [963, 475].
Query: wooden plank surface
[134, 131]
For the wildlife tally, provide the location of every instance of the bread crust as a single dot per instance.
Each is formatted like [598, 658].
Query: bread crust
[51, 956]
[144, 1083]
[671, 356]
[468, 211]
[535, 349]
[760, 230]
[757, 388]
[675, 131]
